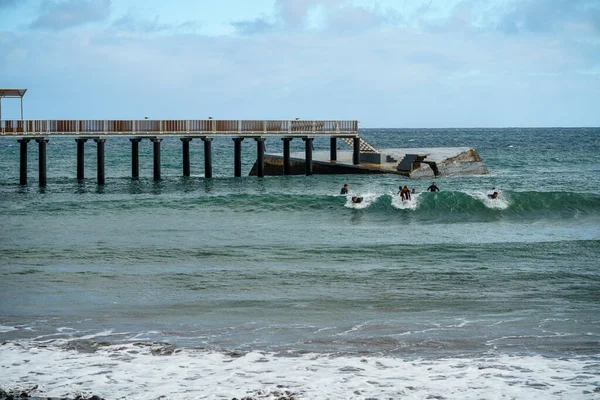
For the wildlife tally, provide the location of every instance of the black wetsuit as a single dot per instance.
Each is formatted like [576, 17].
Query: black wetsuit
[344, 191]
[433, 188]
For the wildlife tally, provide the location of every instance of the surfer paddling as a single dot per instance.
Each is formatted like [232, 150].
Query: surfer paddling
[494, 194]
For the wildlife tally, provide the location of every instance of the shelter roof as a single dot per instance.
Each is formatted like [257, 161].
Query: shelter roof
[12, 92]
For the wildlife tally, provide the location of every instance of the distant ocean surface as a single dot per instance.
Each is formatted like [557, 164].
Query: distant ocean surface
[189, 288]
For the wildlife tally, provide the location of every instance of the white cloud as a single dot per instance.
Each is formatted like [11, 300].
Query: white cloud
[70, 13]
[380, 70]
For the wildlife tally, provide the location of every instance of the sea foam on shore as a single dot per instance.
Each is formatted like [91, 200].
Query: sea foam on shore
[159, 371]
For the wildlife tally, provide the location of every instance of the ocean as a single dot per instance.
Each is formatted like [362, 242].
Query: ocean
[279, 287]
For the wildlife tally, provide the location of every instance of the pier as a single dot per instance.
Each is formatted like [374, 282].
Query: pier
[361, 158]
[206, 130]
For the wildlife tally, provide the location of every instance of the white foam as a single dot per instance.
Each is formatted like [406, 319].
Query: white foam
[4, 328]
[368, 199]
[499, 203]
[400, 204]
[135, 371]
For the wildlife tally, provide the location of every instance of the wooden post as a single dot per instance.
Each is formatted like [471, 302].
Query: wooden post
[135, 158]
[100, 168]
[186, 155]
[42, 160]
[207, 157]
[260, 156]
[23, 162]
[308, 148]
[156, 143]
[80, 157]
[332, 148]
[286, 155]
[356, 151]
[237, 157]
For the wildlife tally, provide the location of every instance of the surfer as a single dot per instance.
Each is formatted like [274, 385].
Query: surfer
[433, 188]
[357, 200]
[344, 189]
[494, 194]
[404, 193]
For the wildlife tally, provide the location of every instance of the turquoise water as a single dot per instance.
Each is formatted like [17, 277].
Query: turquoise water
[285, 266]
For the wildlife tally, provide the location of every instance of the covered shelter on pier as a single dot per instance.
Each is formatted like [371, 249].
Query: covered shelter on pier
[12, 93]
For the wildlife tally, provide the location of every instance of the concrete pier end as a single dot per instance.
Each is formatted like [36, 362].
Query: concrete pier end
[416, 162]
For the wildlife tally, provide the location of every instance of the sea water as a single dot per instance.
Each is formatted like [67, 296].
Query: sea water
[188, 288]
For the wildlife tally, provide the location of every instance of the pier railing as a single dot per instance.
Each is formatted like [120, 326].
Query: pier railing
[208, 127]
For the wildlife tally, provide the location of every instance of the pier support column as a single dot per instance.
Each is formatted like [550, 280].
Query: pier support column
[356, 151]
[23, 162]
[332, 149]
[207, 157]
[80, 158]
[286, 155]
[237, 157]
[186, 155]
[156, 143]
[100, 168]
[135, 158]
[260, 156]
[308, 148]
[42, 160]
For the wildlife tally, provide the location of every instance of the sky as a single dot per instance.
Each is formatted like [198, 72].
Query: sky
[386, 63]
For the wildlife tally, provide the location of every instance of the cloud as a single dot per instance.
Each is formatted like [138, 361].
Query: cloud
[543, 16]
[129, 23]
[70, 13]
[331, 59]
[355, 18]
[256, 26]
[294, 12]
[339, 16]
[390, 78]
[7, 3]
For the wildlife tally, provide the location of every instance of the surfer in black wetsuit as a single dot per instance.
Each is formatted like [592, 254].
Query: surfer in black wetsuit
[494, 194]
[357, 200]
[433, 188]
[344, 189]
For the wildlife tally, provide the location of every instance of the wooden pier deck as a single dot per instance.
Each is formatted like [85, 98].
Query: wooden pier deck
[186, 130]
[157, 128]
